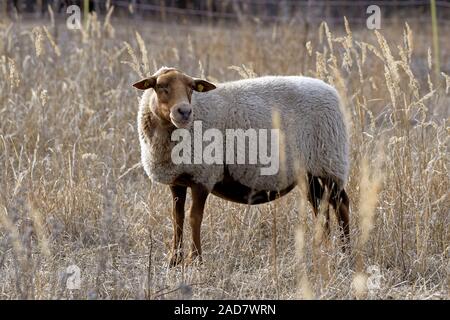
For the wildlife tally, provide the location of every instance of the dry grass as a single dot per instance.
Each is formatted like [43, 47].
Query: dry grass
[72, 190]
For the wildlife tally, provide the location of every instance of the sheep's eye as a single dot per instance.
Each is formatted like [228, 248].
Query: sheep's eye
[163, 88]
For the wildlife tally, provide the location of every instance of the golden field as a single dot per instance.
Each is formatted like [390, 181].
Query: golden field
[73, 191]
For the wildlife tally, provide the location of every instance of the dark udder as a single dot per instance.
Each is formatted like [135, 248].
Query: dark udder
[232, 190]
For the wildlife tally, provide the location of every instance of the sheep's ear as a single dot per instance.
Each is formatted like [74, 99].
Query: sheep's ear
[203, 85]
[145, 83]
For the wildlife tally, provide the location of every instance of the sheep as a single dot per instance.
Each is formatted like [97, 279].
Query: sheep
[311, 121]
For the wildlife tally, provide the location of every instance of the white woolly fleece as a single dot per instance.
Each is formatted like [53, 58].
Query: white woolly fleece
[311, 121]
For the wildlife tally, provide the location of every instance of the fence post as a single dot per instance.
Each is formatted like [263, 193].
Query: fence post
[4, 9]
[85, 11]
[162, 6]
[436, 52]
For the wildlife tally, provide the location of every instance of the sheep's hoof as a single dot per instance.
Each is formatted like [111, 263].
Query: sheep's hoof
[175, 259]
[346, 248]
[194, 259]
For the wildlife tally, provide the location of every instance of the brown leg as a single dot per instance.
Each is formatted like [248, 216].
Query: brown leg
[199, 196]
[341, 204]
[179, 199]
[327, 220]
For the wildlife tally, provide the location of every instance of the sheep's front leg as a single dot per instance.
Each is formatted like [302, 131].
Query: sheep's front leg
[199, 196]
[179, 199]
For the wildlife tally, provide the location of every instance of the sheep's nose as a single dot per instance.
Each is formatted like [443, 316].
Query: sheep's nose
[185, 112]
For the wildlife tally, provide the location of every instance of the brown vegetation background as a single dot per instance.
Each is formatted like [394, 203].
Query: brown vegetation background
[72, 190]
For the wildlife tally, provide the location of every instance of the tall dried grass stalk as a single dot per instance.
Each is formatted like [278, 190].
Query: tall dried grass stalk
[68, 121]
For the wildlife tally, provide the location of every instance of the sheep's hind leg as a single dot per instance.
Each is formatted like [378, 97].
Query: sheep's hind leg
[316, 192]
[179, 199]
[340, 202]
[199, 196]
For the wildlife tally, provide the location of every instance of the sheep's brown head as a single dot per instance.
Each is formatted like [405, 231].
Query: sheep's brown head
[173, 93]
